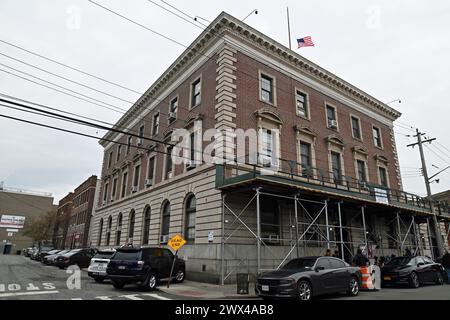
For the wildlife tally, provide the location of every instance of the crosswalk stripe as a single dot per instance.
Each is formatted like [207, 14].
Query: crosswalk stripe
[76, 299]
[156, 296]
[131, 297]
[103, 298]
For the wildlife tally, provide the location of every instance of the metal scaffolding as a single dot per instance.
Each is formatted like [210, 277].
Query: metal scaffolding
[306, 229]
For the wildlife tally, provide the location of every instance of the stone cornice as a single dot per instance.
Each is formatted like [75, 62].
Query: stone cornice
[226, 23]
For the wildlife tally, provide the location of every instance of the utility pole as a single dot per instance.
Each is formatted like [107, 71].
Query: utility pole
[437, 229]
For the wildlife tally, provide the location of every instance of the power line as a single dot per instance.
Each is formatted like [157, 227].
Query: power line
[67, 66]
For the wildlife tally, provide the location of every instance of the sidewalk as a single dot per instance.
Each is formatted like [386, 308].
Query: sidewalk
[191, 289]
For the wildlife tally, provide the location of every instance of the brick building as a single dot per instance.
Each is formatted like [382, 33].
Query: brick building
[62, 221]
[337, 181]
[74, 216]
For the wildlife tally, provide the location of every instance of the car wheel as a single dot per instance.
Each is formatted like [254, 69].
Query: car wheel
[117, 285]
[61, 267]
[304, 291]
[151, 282]
[414, 280]
[439, 278]
[98, 280]
[179, 276]
[353, 288]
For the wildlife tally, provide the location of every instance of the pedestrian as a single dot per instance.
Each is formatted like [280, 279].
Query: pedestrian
[360, 260]
[328, 253]
[336, 254]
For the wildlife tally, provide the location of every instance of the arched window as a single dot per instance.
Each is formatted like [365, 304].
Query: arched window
[119, 229]
[165, 219]
[146, 225]
[108, 230]
[191, 208]
[131, 226]
[100, 228]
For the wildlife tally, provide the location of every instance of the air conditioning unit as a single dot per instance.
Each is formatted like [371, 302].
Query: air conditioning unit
[148, 182]
[333, 124]
[164, 239]
[134, 188]
[172, 115]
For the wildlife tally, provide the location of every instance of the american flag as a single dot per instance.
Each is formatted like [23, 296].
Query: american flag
[305, 42]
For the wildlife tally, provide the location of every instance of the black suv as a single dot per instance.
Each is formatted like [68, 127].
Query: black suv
[144, 267]
[79, 257]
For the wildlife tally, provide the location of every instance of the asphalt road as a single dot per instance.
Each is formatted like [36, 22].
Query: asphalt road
[24, 279]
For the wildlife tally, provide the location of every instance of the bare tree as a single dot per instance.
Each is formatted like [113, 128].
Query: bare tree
[40, 229]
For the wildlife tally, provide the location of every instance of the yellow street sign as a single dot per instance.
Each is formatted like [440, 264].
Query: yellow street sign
[176, 242]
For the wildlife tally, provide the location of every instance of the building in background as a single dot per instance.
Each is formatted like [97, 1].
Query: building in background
[337, 182]
[80, 215]
[17, 208]
[443, 207]
[63, 215]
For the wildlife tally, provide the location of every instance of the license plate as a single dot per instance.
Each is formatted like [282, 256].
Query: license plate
[98, 267]
[387, 278]
[265, 288]
[121, 267]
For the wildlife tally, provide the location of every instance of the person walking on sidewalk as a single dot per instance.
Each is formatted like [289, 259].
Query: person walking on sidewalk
[360, 260]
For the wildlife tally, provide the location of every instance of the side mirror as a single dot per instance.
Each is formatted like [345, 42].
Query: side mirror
[317, 269]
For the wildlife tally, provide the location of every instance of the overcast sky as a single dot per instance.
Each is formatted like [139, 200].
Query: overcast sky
[390, 49]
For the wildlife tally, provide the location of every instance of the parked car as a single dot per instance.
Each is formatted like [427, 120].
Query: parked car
[41, 252]
[29, 251]
[34, 254]
[307, 277]
[413, 271]
[50, 259]
[97, 267]
[79, 257]
[49, 253]
[144, 266]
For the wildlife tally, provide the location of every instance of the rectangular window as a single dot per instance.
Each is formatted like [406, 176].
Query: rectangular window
[155, 128]
[361, 170]
[191, 165]
[377, 137]
[196, 93]
[336, 167]
[137, 173]
[173, 109]
[151, 168]
[105, 194]
[114, 188]
[119, 150]
[110, 159]
[168, 173]
[383, 176]
[130, 141]
[266, 88]
[356, 128]
[305, 158]
[141, 131]
[302, 104]
[266, 147]
[124, 184]
[331, 117]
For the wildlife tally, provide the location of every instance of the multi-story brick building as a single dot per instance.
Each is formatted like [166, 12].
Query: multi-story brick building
[62, 221]
[80, 215]
[337, 181]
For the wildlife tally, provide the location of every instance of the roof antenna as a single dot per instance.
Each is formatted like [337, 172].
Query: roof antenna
[399, 101]
[254, 11]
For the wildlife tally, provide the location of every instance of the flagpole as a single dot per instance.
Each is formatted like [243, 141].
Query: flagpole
[289, 28]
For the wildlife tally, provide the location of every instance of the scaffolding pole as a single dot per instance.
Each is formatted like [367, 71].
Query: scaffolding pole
[400, 242]
[222, 249]
[296, 223]
[258, 232]
[413, 223]
[430, 239]
[340, 230]
[364, 229]
[326, 223]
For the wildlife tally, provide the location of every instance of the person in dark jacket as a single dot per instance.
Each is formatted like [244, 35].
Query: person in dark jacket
[360, 260]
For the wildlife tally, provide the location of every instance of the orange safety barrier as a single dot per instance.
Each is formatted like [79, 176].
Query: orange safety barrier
[366, 279]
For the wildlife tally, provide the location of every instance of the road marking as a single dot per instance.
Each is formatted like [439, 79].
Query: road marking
[76, 299]
[103, 298]
[131, 297]
[14, 294]
[155, 296]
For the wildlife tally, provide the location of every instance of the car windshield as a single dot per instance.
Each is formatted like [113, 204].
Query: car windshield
[400, 261]
[71, 253]
[63, 252]
[131, 255]
[104, 255]
[53, 252]
[299, 264]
